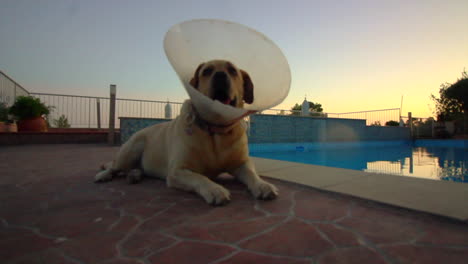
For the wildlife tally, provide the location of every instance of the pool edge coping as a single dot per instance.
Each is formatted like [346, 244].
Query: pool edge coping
[413, 193]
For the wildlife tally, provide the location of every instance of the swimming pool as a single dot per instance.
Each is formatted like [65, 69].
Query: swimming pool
[431, 159]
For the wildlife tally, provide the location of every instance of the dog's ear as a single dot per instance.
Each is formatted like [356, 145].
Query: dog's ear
[194, 80]
[248, 87]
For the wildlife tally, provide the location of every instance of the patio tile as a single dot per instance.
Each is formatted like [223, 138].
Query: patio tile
[251, 258]
[448, 234]
[16, 242]
[123, 225]
[123, 261]
[373, 212]
[89, 219]
[282, 205]
[92, 248]
[51, 256]
[229, 232]
[324, 208]
[237, 211]
[56, 214]
[351, 256]
[426, 255]
[191, 253]
[294, 238]
[339, 236]
[176, 214]
[382, 231]
[142, 244]
[278, 207]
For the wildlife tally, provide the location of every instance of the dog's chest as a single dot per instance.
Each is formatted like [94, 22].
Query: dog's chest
[216, 154]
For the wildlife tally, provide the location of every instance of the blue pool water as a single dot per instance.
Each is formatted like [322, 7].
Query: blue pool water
[431, 159]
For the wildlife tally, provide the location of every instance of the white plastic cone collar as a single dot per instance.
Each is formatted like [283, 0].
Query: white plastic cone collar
[191, 43]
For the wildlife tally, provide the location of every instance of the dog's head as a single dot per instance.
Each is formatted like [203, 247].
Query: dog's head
[223, 81]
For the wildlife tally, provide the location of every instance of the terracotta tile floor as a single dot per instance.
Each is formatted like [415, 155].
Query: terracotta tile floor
[52, 212]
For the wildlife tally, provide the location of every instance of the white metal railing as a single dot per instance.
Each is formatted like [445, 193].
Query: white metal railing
[93, 112]
[82, 111]
[9, 89]
[273, 111]
[373, 117]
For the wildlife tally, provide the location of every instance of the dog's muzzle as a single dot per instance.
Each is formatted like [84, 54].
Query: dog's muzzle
[221, 87]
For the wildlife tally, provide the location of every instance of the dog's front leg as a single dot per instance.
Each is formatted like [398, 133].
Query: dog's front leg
[212, 192]
[258, 187]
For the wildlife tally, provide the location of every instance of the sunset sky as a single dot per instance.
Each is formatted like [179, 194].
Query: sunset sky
[346, 55]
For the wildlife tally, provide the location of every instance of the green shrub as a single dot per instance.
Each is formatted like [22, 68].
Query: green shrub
[26, 107]
[3, 112]
[392, 123]
[61, 122]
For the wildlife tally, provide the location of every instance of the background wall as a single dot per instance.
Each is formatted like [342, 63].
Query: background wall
[289, 129]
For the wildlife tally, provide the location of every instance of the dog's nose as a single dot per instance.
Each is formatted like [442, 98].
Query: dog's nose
[220, 75]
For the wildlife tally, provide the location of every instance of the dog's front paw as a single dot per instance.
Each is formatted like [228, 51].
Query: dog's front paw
[215, 194]
[103, 176]
[264, 191]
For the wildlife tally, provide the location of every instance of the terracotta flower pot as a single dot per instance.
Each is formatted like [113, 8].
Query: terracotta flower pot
[3, 127]
[37, 124]
[12, 128]
[8, 127]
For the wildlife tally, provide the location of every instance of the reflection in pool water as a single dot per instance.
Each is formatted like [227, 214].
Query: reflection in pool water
[438, 163]
[427, 162]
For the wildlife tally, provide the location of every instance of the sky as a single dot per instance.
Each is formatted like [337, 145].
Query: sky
[346, 55]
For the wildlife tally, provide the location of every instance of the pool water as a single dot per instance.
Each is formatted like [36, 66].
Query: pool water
[422, 158]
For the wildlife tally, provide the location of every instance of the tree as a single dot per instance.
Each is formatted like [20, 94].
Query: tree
[447, 109]
[312, 107]
[315, 109]
[459, 92]
[452, 104]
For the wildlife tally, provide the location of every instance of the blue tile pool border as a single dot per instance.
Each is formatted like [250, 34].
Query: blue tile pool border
[453, 143]
[306, 146]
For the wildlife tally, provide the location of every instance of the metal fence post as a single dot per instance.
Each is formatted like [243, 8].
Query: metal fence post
[410, 124]
[98, 111]
[111, 135]
[89, 112]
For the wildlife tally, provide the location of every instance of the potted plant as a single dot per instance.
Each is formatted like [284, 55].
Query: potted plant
[30, 113]
[61, 122]
[6, 124]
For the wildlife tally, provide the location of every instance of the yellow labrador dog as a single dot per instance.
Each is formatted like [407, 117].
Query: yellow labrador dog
[188, 151]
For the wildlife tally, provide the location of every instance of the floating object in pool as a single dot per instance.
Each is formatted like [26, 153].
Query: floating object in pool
[196, 41]
[300, 148]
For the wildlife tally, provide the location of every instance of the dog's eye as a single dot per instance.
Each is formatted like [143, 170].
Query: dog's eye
[232, 71]
[207, 71]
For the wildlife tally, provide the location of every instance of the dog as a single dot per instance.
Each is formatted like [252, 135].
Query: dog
[188, 152]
